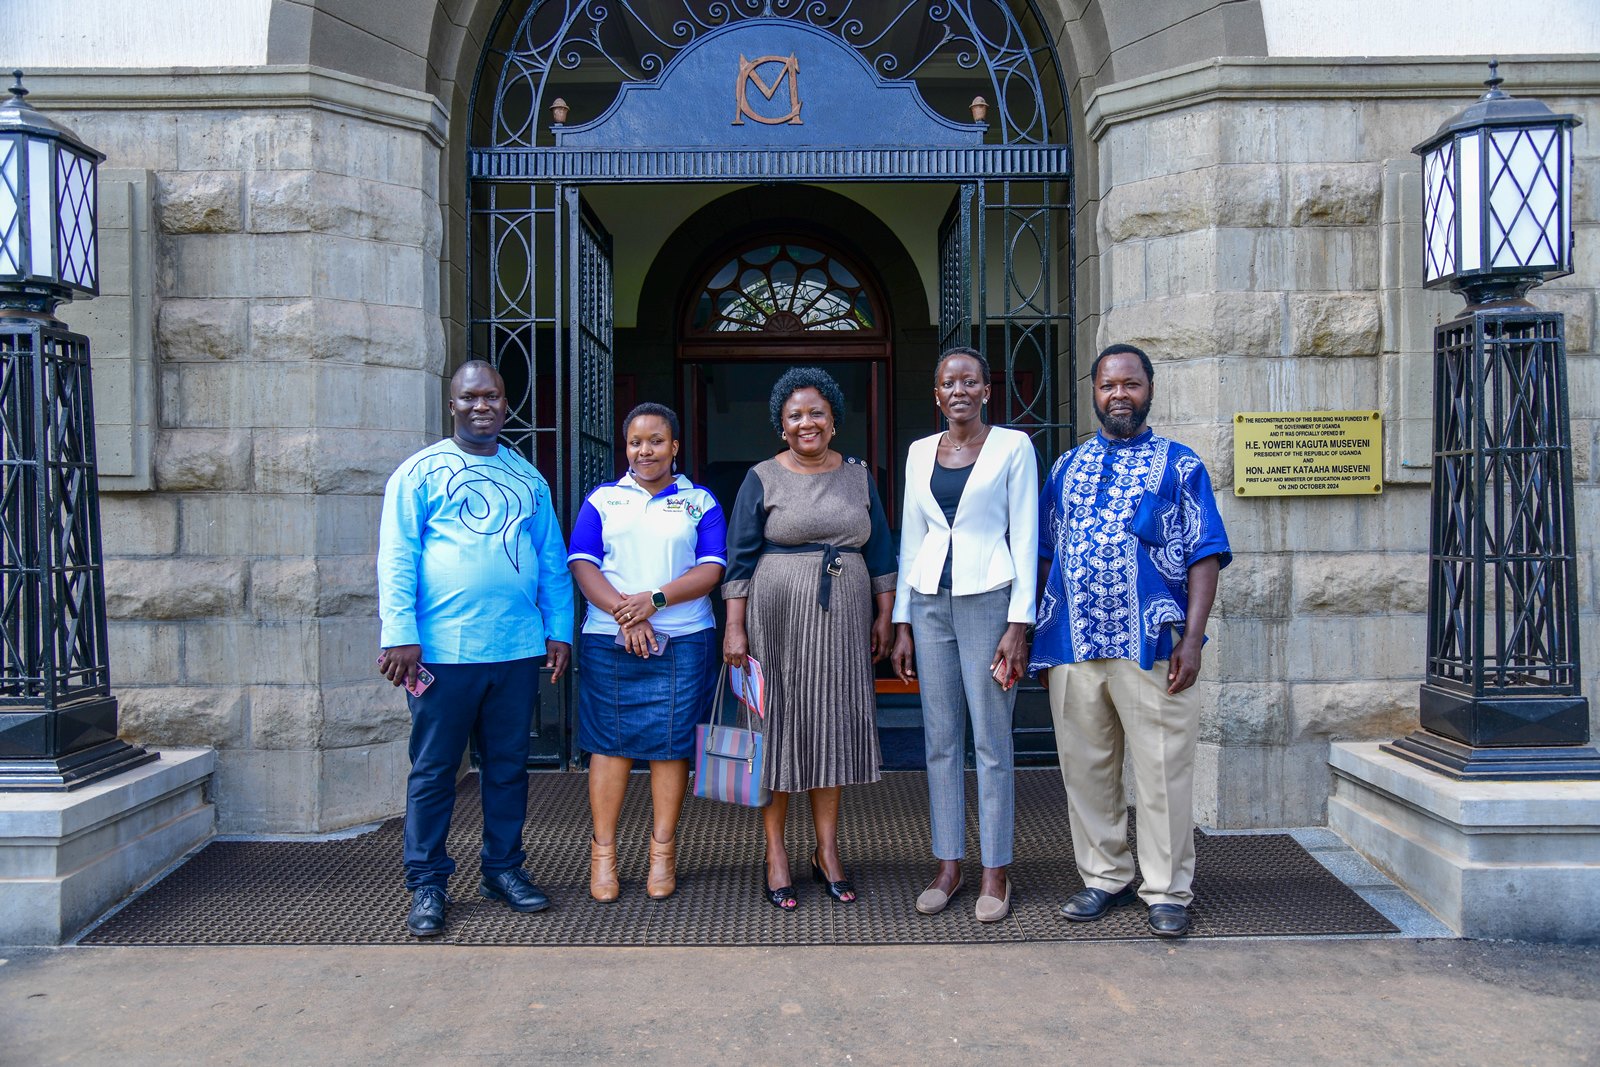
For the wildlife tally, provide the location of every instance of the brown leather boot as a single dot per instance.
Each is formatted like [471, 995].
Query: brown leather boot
[603, 884]
[663, 881]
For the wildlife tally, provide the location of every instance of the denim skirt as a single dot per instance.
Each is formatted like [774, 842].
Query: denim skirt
[640, 708]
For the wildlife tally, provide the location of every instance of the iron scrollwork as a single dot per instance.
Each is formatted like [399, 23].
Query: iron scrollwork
[635, 41]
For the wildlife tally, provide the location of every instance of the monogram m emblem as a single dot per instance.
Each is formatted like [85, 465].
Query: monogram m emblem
[749, 73]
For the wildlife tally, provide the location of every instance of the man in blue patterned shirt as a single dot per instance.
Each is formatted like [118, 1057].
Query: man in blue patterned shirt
[473, 591]
[1131, 528]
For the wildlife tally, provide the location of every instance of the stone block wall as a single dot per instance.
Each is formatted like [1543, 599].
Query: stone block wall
[1252, 223]
[299, 349]
[1265, 252]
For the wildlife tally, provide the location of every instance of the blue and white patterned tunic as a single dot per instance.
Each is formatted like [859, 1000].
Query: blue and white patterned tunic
[1122, 522]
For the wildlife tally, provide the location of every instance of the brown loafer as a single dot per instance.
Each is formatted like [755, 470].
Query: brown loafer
[663, 880]
[933, 899]
[603, 883]
[993, 909]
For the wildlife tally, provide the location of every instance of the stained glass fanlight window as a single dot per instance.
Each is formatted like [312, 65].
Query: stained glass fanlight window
[784, 288]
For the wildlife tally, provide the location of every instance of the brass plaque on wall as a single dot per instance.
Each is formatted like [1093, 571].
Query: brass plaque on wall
[1307, 453]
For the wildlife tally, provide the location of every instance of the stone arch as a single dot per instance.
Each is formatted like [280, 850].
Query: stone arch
[435, 46]
[431, 46]
[748, 211]
[386, 42]
[834, 216]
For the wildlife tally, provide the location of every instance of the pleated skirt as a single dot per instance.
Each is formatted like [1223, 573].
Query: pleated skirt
[821, 728]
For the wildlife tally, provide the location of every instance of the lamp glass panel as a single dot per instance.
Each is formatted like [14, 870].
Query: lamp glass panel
[1523, 198]
[41, 262]
[1564, 234]
[1469, 213]
[75, 189]
[10, 207]
[1439, 212]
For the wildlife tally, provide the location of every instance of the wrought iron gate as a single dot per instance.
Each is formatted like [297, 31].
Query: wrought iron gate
[1017, 312]
[588, 335]
[539, 274]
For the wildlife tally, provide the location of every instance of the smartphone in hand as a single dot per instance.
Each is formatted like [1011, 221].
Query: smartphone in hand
[1002, 674]
[420, 686]
[424, 679]
[661, 642]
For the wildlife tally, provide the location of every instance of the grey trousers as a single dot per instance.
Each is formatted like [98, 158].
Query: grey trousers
[956, 637]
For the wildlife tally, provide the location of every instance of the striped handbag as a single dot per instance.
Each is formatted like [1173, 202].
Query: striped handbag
[728, 760]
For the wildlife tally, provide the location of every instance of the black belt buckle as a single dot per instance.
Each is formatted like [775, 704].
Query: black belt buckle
[836, 565]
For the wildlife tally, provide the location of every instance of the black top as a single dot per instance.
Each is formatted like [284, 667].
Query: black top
[947, 484]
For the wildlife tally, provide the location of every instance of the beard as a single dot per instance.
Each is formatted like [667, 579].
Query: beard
[1124, 425]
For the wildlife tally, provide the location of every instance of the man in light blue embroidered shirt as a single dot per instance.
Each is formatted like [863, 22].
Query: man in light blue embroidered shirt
[473, 590]
[1130, 524]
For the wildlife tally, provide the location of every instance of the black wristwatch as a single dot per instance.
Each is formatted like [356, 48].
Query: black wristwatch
[659, 599]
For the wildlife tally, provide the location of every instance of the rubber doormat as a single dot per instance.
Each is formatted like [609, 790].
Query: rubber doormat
[349, 892]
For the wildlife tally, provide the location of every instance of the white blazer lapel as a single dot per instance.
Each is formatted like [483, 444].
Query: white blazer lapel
[927, 449]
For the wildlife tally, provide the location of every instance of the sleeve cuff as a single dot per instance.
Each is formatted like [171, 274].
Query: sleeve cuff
[885, 583]
[736, 590]
[586, 558]
[399, 633]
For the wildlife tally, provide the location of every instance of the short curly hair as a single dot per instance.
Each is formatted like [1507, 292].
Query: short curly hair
[797, 378]
[660, 411]
[1123, 350]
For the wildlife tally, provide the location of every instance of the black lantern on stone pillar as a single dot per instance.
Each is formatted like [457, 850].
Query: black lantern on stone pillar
[1497, 191]
[1502, 698]
[58, 719]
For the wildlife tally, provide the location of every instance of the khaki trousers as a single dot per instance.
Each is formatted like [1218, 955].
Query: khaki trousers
[1102, 708]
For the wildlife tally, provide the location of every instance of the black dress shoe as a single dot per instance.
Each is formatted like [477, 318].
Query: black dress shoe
[514, 888]
[1169, 920]
[1087, 905]
[426, 918]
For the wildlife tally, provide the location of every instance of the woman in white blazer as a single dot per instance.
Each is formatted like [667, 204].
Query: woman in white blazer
[969, 552]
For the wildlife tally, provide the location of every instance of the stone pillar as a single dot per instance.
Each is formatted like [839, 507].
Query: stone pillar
[1255, 236]
[298, 349]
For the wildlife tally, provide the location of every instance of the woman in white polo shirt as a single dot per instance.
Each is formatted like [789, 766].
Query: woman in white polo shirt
[646, 550]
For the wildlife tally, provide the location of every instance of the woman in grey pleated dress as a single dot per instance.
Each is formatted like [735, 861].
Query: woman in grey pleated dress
[810, 589]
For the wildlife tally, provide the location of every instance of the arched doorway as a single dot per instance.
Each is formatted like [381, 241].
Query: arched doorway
[961, 96]
[759, 307]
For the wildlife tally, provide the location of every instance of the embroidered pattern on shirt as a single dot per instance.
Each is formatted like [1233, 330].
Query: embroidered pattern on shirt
[1102, 563]
[494, 498]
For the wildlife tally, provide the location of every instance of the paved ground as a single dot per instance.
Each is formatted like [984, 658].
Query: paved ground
[1233, 1002]
[1406, 998]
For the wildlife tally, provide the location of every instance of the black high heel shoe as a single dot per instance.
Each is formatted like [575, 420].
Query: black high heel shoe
[836, 890]
[783, 898]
